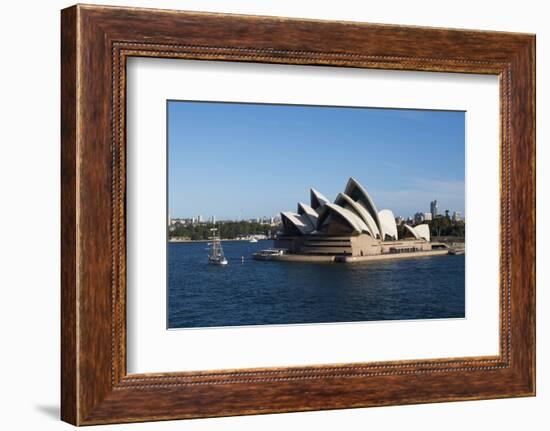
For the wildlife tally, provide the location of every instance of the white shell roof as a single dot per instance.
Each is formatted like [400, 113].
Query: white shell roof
[412, 231]
[387, 220]
[300, 222]
[312, 215]
[319, 197]
[351, 218]
[364, 199]
[422, 231]
[356, 207]
[342, 199]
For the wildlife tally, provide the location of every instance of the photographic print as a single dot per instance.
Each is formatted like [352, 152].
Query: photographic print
[243, 198]
[297, 214]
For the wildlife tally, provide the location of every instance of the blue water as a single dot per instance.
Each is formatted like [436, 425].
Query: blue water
[261, 293]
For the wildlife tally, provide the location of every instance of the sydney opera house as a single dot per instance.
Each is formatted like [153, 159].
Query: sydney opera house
[351, 226]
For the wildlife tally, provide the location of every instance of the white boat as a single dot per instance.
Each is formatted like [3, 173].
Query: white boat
[216, 256]
[253, 240]
[269, 254]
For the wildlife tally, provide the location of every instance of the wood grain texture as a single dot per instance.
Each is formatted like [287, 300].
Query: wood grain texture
[69, 366]
[96, 41]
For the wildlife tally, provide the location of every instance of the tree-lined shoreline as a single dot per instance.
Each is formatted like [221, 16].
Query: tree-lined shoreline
[441, 227]
[225, 230]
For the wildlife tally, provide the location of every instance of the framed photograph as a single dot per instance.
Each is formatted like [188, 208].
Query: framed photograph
[264, 215]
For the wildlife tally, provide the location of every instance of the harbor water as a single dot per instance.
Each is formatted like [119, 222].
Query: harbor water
[254, 292]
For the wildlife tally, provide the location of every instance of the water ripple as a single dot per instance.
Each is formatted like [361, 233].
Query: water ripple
[260, 293]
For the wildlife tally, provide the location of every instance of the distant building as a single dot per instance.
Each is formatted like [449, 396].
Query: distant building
[399, 220]
[457, 216]
[199, 219]
[434, 209]
[419, 217]
[213, 219]
[428, 217]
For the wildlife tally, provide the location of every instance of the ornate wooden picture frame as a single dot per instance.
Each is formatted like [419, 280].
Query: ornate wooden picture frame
[96, 41]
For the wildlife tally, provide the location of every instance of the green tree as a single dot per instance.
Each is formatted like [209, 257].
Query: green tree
[226, 230]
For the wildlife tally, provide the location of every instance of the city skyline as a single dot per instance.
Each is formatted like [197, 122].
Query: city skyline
[239, 161]
[201, 218]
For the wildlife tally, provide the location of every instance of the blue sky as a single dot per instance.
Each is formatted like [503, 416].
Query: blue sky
[253, 160]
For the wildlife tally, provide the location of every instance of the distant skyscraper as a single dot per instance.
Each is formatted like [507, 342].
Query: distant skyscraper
[434, 209]
[199, 219]
[457, 216]
[213, 219]
[428, 216]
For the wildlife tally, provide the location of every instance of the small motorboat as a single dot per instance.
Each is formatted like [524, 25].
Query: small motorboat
[269, 254]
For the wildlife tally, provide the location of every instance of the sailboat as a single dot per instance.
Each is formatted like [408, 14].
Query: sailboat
[216, 256]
